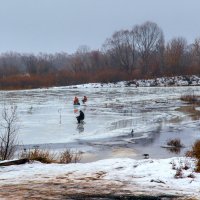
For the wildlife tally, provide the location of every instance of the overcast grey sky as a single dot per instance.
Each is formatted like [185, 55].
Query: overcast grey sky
[50, 26]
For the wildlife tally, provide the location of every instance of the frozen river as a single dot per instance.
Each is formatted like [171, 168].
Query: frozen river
[47, 116]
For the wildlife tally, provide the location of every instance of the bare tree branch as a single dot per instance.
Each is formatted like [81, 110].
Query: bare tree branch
[8, 135]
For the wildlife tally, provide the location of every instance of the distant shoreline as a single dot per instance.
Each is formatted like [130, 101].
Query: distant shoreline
[175, 81]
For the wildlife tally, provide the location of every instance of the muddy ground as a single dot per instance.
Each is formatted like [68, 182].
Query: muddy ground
[87, 189]
[83, 187]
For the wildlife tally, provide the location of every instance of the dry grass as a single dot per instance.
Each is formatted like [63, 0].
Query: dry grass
[196, 149]
[69, 156]
[198, 166]
[41, 155]
[47, 156]
[195, 152]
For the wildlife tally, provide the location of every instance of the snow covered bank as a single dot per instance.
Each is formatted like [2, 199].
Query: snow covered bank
[157, 82]
[124, 176]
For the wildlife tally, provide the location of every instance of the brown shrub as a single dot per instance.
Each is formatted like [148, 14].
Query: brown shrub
[175, 143]
[63, 77]
[195, 152]
[189, 154]
[198, 166]
[43, 156]
[27, 82]
[196, 149]
[46, 156]
[69, 156]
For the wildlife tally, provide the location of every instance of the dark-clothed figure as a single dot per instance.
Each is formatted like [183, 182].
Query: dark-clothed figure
[80, 117]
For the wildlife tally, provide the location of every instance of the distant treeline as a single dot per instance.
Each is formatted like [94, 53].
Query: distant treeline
[128, 54]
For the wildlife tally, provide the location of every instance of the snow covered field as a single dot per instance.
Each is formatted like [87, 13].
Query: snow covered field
[115, 176]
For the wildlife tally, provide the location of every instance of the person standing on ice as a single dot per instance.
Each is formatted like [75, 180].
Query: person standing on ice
[80, 117]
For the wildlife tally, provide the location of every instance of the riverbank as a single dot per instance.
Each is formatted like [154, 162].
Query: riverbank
[175, 81]
[104, 178]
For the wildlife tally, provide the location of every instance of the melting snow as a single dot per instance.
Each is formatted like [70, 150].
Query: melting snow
[148, 175]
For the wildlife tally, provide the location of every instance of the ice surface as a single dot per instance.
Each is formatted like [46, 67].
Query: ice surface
[47, 116]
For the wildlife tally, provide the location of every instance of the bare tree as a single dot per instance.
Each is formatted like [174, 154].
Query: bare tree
[195, 51]
[30, 62]
[148, 39]
[121, 48]
[8, 136]
[175, 55]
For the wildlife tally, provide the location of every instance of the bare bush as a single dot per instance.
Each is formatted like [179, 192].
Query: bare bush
[198, 166]
[180, 167]
[41, 155]
[69, 156]
[195, 152]
[175, 143]
[8, 136]
[196, 149]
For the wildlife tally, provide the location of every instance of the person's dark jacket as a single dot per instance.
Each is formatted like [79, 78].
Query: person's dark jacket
[81, 116]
